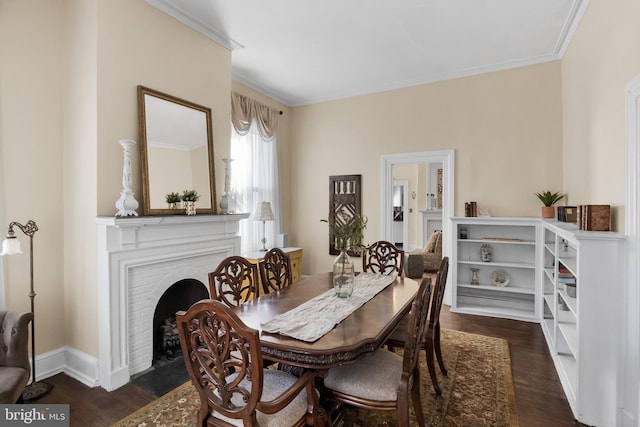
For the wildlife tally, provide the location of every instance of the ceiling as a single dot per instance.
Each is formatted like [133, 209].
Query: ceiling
[302, 52]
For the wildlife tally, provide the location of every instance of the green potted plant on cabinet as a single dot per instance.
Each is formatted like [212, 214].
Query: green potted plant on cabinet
[548, 199]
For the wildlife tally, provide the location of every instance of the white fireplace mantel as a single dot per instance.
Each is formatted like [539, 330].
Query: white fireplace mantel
[139, 258]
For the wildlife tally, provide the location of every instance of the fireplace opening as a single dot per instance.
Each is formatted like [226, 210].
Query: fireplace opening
[180, 296]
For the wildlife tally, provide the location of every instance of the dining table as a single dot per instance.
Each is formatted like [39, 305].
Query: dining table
[363, 331]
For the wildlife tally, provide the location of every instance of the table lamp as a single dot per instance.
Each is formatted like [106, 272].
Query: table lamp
[264, 214]
[11, 246]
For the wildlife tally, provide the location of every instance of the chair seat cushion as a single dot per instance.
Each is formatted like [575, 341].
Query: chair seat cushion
[275, 383]
[375, 377]
[12, 383]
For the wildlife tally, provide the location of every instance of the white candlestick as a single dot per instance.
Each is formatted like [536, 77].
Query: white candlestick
[127, 204]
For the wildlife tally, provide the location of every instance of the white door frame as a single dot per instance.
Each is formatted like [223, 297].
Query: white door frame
[629, 363]
[447, 158]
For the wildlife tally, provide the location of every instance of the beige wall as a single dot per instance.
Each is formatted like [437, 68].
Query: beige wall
[505, 128]
[600, 61]
[68, 96]
[80, 176]
[31, 143]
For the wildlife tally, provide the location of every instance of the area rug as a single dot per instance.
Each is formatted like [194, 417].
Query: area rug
[478, 391]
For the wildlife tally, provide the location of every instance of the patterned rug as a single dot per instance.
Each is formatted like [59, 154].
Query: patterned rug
[478, 391]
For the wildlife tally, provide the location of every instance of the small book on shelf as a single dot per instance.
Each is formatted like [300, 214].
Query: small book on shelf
[567, 213]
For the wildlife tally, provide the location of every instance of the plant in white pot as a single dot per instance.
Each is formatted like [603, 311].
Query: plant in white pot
[548, 199]
[189, 199]
[172, 200]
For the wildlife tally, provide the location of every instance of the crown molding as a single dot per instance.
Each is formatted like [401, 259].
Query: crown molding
[170, 9]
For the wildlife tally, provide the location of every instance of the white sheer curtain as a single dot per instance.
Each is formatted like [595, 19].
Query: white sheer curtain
[254, 178]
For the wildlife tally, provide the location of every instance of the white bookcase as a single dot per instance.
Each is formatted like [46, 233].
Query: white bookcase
[513, 243]
[582, 331]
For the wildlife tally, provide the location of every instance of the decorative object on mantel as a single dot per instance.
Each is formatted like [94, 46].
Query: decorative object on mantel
[189, 199]
[347, 237]
[127, 204]
[548, 199]
[11, 246]
[185, 151]
[224, 200]
[264, 214]
[172, 200]
[485, 253]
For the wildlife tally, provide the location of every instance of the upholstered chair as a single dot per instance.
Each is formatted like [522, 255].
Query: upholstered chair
[427, 259]
[14, 355]
[237, 390]
[385, 380]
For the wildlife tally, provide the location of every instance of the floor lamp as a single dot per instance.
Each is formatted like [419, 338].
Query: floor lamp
[11, 246]
[264, 214]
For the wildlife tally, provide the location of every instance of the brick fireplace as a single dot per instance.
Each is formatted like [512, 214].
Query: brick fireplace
[139, 258]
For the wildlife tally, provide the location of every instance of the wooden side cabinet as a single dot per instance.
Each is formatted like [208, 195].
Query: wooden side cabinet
[295, 257]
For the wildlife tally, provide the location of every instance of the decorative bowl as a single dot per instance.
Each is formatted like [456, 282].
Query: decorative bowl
[500, 278]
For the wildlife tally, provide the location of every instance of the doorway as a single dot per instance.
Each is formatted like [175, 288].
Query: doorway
[447, 159]
[400, 228]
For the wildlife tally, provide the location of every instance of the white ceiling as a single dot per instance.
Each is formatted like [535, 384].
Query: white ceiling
[301, 52]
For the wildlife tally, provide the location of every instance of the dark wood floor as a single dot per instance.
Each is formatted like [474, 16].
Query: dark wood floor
[539, 396]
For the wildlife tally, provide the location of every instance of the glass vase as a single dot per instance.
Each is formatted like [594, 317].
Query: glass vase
[343, 275]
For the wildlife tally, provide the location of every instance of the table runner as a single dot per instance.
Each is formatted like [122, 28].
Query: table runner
[311, 320]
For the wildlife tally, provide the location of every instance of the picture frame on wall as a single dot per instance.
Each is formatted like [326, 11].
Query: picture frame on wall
[345, 202]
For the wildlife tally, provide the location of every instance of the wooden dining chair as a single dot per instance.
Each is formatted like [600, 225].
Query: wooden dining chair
[383, 257]
[275, 270]
[432, 338]
[234, 281]
[237, 390]
[385, 380]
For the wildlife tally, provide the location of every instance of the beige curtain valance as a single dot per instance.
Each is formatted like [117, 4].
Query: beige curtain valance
[244, 110]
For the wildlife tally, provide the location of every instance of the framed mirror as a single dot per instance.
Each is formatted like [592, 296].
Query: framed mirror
[176, 150]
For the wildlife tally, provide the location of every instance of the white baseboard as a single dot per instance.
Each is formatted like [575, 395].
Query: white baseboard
[76, 364]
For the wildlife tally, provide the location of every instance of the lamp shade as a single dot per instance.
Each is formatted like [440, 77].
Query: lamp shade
[11, 246]
[264, 212]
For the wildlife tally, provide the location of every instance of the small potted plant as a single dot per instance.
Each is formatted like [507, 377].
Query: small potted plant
[189, 199]
[548, 199]
[172, 199]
